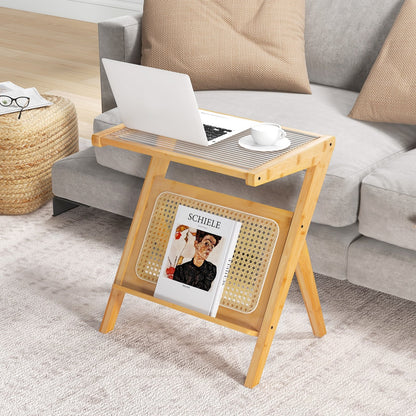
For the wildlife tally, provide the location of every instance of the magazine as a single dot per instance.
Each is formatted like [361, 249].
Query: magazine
[197, 260]
[14, 91]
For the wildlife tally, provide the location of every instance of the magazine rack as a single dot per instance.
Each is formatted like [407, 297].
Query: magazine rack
[285, 249]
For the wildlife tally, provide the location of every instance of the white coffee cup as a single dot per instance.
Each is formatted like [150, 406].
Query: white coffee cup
[267, 134]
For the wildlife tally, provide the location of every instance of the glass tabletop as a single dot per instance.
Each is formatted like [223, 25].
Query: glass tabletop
[227, 152]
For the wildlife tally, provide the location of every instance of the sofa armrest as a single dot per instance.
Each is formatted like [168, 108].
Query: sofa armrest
[120, 39]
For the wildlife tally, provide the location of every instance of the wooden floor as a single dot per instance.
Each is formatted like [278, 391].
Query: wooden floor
[56, 55]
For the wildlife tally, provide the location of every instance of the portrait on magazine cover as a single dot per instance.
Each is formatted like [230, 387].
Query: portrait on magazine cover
[193, 256]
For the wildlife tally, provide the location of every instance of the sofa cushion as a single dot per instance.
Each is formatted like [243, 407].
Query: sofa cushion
[324, 240]
[389, 93]
[226, 44]
[80, 178]
[383, 267]
[343, 39]
[388, 202]
[360, 148]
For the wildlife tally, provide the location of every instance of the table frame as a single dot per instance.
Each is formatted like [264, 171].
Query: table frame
[313, 157]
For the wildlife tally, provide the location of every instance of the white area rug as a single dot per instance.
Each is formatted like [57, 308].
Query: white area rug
[55, 276]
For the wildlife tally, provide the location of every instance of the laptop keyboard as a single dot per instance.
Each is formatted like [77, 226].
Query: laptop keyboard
[213, 132]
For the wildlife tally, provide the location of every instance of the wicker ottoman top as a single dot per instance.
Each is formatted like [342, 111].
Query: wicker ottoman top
[32, 121]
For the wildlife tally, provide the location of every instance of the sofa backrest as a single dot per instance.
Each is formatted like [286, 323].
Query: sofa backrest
[344, 37]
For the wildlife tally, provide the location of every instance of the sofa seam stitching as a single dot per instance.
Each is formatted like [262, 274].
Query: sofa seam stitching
[389, 190]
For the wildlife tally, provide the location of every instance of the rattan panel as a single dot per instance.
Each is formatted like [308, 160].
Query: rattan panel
[253, 252]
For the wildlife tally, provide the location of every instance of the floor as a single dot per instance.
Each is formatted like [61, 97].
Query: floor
[56, 55]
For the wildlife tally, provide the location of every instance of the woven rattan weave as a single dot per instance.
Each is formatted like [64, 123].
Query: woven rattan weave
[28, 149]
[253, 251]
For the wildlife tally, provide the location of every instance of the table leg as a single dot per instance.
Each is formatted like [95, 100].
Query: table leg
[157, 167]
[111, 312]
[265, 338]
[307, 284]
[294, 251]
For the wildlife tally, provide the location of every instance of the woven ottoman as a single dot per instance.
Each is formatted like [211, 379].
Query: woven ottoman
[28, 149]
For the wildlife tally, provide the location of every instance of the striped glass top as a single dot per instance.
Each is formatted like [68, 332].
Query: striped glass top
[228, 151]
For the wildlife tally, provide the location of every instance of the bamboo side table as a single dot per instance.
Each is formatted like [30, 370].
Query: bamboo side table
[310, 152]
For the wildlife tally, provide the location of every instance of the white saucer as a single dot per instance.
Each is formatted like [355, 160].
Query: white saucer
[248, 143]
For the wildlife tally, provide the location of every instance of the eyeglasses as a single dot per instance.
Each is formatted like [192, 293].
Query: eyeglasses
[208, 245]
[21, 102]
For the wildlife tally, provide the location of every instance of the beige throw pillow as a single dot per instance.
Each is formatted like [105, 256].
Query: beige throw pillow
[389, 93]
[228, 44]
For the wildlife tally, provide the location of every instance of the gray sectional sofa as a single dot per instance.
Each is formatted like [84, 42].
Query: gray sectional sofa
[364, 226]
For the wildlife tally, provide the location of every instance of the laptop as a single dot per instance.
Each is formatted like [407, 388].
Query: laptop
[163, 103]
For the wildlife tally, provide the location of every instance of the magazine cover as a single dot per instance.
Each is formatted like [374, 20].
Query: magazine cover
[197, 260]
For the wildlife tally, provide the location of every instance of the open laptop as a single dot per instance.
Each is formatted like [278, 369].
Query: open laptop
[163, 103]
